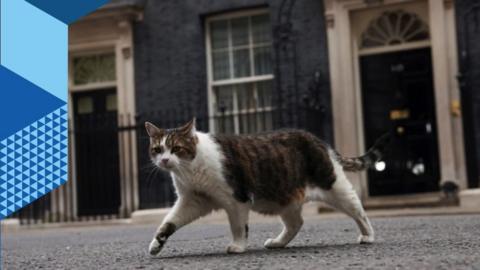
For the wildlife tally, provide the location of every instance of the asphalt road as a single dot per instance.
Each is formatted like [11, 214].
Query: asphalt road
[439, 242]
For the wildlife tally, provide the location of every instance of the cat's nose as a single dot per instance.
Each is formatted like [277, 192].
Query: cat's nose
[165, 161]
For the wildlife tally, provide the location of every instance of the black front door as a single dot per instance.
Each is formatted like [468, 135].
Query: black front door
[96, 152]
[397, 93]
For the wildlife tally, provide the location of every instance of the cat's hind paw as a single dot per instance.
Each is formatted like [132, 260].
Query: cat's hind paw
[272, 243]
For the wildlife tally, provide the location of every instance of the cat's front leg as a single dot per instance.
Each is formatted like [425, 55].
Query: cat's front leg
[186, 210]
[161, 236]
[238, 218]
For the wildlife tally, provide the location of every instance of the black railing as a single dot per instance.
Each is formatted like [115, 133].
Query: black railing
[110, 172]
[103, 173]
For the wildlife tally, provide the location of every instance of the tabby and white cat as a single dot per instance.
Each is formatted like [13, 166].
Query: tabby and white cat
[272, 173]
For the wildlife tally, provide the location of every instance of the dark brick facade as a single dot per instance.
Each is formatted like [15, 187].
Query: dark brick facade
[468, 31]
[170, 58]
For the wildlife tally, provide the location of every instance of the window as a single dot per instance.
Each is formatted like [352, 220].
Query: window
[93, 70]
[240, 72]
[394, 28]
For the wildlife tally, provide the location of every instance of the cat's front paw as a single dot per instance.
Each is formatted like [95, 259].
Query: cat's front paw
[366, 239]
[155, 246]
[235, 248]
[272, 243]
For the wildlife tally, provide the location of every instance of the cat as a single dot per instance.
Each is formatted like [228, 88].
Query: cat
[272, 173]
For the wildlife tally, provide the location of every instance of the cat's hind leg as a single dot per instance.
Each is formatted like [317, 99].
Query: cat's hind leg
[292, 222]
[343, 197]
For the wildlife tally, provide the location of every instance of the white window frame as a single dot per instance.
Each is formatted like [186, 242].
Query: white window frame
[233, 81]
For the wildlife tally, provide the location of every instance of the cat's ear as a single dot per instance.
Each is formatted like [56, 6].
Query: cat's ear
[189, 128]
[152, 130]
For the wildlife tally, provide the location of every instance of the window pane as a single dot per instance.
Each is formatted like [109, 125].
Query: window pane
[224, 124]
[224, 120]
[85, 105]
[224, 98]
[245, 95]
[255, 122]
[261, 31]
[263, 60]
[219, 34]
[241, 63]
[248, 123]
[221, 65]
[239, 31]
[94, 69]
[264, 92]
[111, 102]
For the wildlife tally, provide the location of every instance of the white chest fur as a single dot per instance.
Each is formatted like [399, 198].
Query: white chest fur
[205, 172]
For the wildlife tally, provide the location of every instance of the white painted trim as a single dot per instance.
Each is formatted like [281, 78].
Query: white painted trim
[73, 173]
[442, 92]
[395, 48]
[89, 47]
[238, 14]
[363, 178]
[210, 95]
[120, 42]
[243, 80]
[93, 86]
[457, 123]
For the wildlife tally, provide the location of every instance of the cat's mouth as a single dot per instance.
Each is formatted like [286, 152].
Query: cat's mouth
[167, 167]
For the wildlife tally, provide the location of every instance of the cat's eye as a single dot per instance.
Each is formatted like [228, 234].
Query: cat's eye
[176, 149]
[158, 149]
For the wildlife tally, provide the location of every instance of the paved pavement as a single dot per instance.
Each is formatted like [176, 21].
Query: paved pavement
[433, 242]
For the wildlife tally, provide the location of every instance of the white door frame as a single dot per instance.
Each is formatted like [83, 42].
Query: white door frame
[346, 87]
[98, 33]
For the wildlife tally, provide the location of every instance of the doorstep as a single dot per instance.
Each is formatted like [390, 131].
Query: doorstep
[419, 200]
[470, 198]
[430, 199]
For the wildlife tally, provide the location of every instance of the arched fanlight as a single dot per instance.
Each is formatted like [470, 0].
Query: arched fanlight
[393, 28]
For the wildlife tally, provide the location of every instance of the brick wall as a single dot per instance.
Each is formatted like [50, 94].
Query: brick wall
[170, 60]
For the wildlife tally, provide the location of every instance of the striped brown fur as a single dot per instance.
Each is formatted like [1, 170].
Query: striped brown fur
[276, 166]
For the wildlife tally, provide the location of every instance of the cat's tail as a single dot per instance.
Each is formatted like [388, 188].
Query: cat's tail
[374, 154]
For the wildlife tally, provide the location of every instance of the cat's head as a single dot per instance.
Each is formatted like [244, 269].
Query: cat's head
[171, 148]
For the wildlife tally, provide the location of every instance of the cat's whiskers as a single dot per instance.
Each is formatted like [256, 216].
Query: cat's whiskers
[154, 170]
